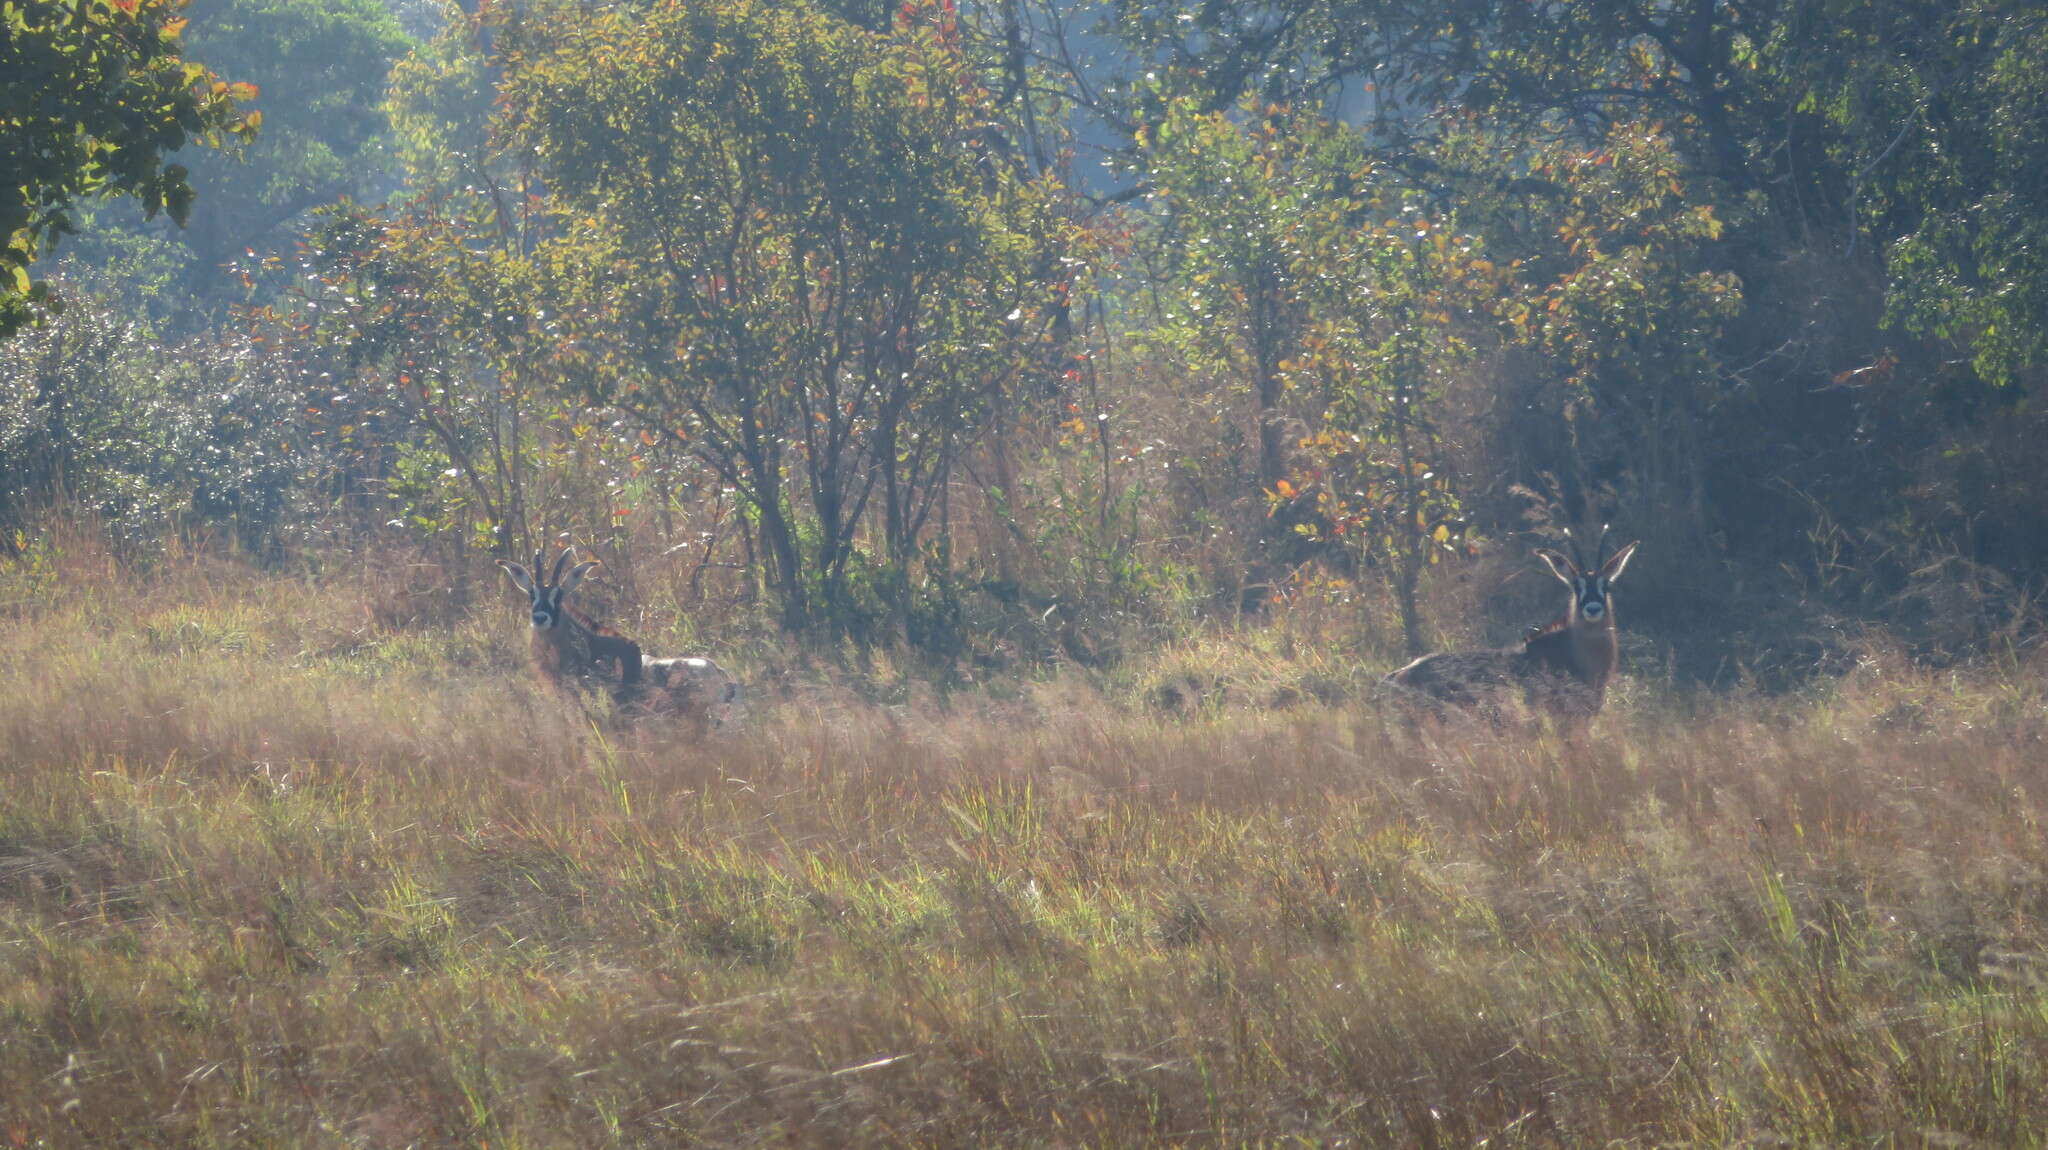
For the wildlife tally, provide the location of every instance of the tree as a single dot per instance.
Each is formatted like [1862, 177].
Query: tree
[791, 247]
[432, 307]
[1945, 138]
[1232, 193]
[1906, 131]
[435, 300]
[439, 106]
[1395, 288]
[93, 94]
[1623, 303]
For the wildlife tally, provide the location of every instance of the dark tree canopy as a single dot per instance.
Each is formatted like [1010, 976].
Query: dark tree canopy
[322, 66]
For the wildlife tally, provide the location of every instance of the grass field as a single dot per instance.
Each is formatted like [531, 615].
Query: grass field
[273, 873]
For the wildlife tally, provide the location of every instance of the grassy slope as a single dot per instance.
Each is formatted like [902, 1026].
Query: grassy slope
[273, 882]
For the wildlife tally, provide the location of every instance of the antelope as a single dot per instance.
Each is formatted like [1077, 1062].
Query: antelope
[1561, 668]
[569, 647]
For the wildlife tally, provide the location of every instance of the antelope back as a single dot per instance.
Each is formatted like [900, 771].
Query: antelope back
[693, 688]
[586, 647]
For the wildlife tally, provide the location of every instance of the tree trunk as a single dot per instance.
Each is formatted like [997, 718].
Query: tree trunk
[1270, 386]
[788, 565]
[1406, 581]
[896, 528]
[778, 536]
[1408, 537]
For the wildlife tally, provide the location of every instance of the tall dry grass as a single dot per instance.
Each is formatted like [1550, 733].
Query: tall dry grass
[278, 870]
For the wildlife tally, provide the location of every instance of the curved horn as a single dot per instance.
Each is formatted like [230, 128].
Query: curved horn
[555, 578]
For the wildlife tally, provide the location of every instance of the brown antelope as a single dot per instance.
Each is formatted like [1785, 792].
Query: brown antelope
[1561, 669]
[569, 648]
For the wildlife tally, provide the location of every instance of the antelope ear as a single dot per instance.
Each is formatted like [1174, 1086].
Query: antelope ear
[1611, 570]
[518, 575]
[1560, 564]
[576, 575]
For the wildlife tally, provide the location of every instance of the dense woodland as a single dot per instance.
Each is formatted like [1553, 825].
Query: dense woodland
[999, 335]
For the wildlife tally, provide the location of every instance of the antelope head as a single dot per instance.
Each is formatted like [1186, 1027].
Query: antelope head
[1589, 582]
[547, 593]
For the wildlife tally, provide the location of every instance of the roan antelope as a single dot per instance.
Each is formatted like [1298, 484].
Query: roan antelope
[570, 648]
[1561, 669]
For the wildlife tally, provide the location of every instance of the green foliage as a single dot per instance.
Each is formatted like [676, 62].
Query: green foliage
[1233, 192]
[434, 303]
[434, 314]
[1872, 174]
[789, 247]
[92, 96]
[439, 107]
[1392, 280]
[1950, 142]
[1621, 300]
[1910, 126]
[1619, 295]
